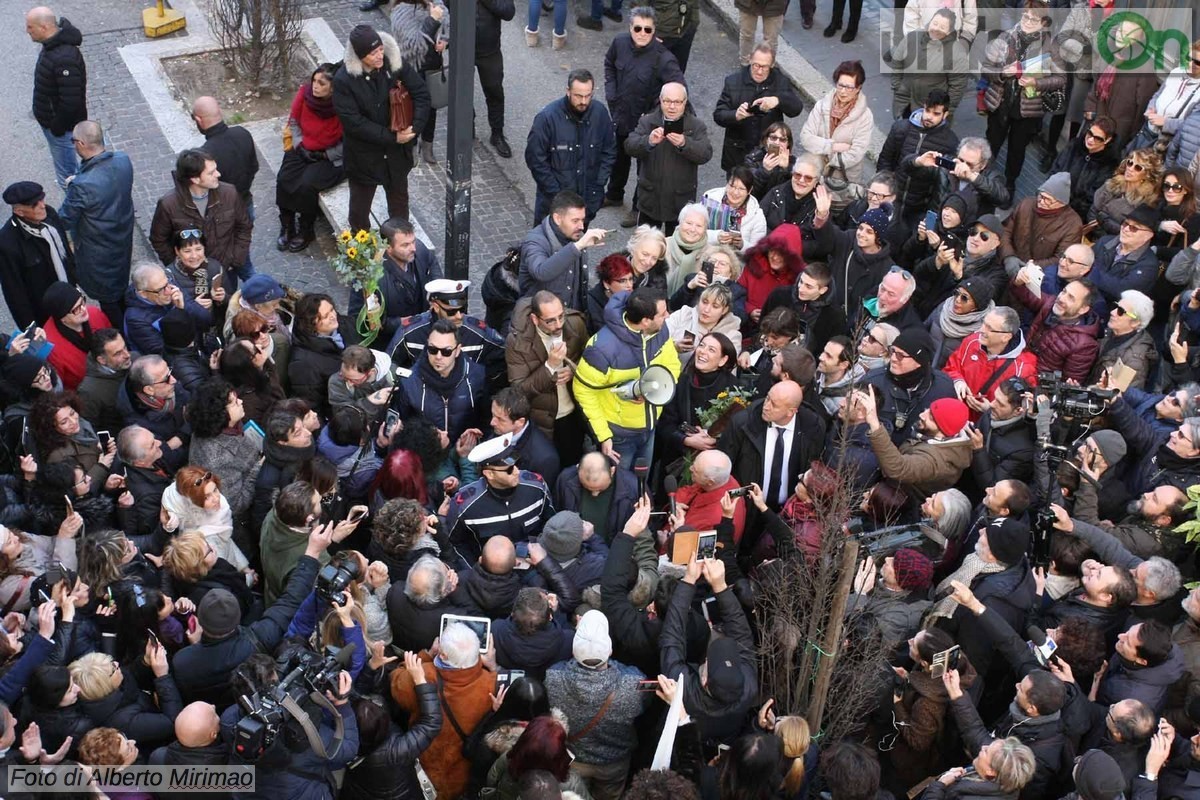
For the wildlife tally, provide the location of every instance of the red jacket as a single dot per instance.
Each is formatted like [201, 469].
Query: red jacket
[971, 363]
[69, 361]
[704, 508]
[319, 133]
[1070, 348]
[758, 277]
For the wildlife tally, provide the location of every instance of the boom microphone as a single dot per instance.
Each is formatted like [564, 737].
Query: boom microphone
[671, 486]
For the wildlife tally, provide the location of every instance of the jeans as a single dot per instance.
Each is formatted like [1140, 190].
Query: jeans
[62, 152]
[246, 270]
[598, 7]
[560, 16]
[631, 447]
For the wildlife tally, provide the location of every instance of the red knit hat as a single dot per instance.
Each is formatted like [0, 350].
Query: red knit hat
[914, 570]
[950, 415]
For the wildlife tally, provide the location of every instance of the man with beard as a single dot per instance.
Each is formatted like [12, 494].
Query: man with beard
[811, 299]
[571, 145]
[940, 274]
[1158, 580]
[636, 66]
[908, 384]
[1065, 331]
[836, 373]
[1103, 599]
[446, 388]
[926, 129]
[1075, 263]
[1002, 443]
[892, 302]
[927, 463]
[554, 253]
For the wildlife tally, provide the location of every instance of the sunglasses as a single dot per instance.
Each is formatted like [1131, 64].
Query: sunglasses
[896, 268]
[800, 176]
[165, 379]
[452, 312]
[1136, 166]
[508, 470]
[191, 233]
[440, 351]
[1172, 187]
[202, 479]
[982, 233]
[642, 29]
[1122, 311]
[897, 353]
[1129, 225]
[1099, 137]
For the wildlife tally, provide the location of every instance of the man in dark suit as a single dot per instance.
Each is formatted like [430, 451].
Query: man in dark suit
[33, 252]
[532, 449]
[773, 441]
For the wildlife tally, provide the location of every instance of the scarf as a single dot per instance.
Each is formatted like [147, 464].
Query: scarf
[58, 251]
[972, 567]
[998, 424]
[960, 326]
[81, 339]
[1168, 460]
[682, 258]
[910, 380]
[158, 404]
[321, 107]
[1104, 85]
[838, 113]
[733, 215]
[443, 386]
[872, 362]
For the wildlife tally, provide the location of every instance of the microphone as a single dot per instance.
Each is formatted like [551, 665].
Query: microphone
[1043, 646]
[641, 469]
[671, 486]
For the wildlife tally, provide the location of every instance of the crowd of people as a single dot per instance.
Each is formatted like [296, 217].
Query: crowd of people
[470, 539]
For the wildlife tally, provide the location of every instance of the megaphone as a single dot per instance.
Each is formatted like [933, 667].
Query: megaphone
[656, 386]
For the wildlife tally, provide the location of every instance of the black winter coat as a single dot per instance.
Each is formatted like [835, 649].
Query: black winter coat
[1088, 172]
[902, 407]
[667, 175]
[633, 77]
[60, 81]
[277, 471]
[568, 491]
[313, 359]
[361, 101]
[820, 320]
[493, 595]
[26, 270]
[176, 755]
[1010, 594]
[188, 366]
[415, 627]
[744, 441]
[742, 137]
[908, 137]
[133, 713]
[147, 485]
[163, 424]
[936, 284]
[233, 150]
[533, 652]
[1007, 452]
[389, 771]
[489, 14]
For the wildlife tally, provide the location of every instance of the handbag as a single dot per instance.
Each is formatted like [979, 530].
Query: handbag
[835, 174]
[400, 104]
[438, 83]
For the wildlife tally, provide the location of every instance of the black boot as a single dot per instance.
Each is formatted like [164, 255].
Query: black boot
[287, 229]
[304, 234]
[833, 27]
[850, 33]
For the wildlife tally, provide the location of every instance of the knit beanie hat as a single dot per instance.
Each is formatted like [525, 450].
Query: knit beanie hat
[1111, 444]
[980, 291]
[879, 219]
[48, 686]
[950, 414]
[60, 298]
[21, 369]
[177, 329]
[1058, 186]
[725, 679]
[1007, 538]
[962, 205]
[592, 645]
[562, 536]
[918, 344]
[914, 570]
[364, 39]
[219, 613]
[1098, 777]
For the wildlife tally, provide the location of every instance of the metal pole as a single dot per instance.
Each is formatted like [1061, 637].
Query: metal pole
[460, 125]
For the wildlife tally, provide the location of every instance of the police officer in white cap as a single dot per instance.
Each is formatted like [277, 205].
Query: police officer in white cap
[505, 501]
[481, 344]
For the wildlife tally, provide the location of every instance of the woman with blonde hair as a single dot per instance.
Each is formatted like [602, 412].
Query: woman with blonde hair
[193, 569]
[195, 499]
[109, 696]
[712, 313]
[1137, 181]
[685, 243]
[801, 751]
[727, 268]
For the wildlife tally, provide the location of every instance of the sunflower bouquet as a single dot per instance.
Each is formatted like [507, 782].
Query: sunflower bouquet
[720, 410]
[359, 265]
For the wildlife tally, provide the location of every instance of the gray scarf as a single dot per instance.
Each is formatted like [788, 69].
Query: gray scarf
[960, 326]
[972, 567]
[58, 251]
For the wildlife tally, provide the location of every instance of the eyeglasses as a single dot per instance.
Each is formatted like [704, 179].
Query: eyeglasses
[1130, 225]
[642, 29]
[982, 233]
[1122, 311]
[800, 176]
[159, 290]
[667, 101]
[440, 351]
[1172, 187]
[878, 195]
[81, 481]
[191, 233]
[897, 353]
[165, 378]
[759, 66]
[847, 87]
[202, 480]
[78, 308]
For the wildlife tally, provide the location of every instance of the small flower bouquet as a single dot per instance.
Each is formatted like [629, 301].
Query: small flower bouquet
[359, 265]
[716, 416]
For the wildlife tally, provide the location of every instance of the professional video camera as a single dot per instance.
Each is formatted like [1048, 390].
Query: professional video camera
[307, 675]
[883, 542]
[335, 578]
[1074, 402]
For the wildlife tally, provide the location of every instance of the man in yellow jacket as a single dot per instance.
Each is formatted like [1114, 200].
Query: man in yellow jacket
[633, 338]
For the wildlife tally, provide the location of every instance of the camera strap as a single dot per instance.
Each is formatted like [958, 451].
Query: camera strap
[310, 730]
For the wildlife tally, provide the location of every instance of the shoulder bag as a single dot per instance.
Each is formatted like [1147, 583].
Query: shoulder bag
[438, 83]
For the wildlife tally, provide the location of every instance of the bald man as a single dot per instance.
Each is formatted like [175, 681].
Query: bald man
[492, 582]
[773, 441]
[231, 147]
[712, 477]
[59, 86]
[197, 740]
[599, 492]
[670, 143]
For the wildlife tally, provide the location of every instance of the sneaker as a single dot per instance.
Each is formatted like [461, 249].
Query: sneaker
[630, 219]
[614, 15]
[589, 23]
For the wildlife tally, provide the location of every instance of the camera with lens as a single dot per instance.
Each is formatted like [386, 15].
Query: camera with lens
[334, 578]
[883, 542]
[1074, 401]
[307, 676]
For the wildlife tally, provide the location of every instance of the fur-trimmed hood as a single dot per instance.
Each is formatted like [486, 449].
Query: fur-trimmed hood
[501, 739]
[391, 56]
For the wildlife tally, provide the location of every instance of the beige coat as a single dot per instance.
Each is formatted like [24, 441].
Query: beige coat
[855, 130]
